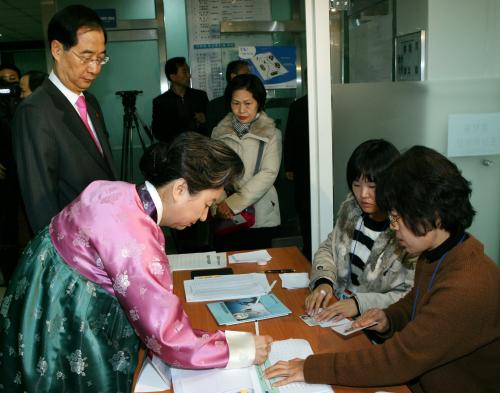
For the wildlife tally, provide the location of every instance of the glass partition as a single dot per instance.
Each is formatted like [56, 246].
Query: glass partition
[461, 76]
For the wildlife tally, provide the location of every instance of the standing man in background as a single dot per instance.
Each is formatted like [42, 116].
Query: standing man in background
[181, 108]
[60, 139]
[218, 108]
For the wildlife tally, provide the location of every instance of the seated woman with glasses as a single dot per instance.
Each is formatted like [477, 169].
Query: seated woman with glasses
[444, 336]
[360, 262]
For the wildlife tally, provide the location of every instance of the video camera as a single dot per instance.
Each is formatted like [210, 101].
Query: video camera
[9, 99]
[9, 89]
[128, 97]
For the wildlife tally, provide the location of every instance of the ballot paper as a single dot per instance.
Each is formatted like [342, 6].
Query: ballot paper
[232, 286]
[154, 376]
[251, 378]
[250, 257]
[294, 280]
[197, 261]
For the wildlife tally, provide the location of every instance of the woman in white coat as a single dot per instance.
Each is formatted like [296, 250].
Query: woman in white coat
[252, 134]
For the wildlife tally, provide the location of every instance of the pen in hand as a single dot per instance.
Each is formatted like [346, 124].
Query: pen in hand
[270, 289]
[280, 271]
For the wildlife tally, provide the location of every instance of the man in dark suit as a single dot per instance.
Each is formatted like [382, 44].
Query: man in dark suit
[219, 107]
[60, 140]
[181, 108]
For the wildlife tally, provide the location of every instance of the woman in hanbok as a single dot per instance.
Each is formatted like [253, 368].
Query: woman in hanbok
[96, 282]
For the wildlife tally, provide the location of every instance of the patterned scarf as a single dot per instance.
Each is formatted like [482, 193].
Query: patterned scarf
[242, 128]
[147, 201]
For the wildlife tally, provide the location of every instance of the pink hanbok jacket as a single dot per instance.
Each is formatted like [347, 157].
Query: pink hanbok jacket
[107, 236]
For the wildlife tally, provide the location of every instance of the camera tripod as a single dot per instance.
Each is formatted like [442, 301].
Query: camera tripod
[131, 122]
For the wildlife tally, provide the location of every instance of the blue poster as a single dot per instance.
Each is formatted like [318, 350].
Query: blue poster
[274, 65]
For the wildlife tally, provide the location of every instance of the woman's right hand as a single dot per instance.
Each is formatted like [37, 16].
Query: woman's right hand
[262, 348]
[371, 316]
[319, 298]
[224, 211]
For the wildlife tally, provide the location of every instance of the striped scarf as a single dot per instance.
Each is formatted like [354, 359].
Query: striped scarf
[242, 128]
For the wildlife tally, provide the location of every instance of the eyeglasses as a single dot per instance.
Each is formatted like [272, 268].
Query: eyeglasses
[100, 61]
[393, 218]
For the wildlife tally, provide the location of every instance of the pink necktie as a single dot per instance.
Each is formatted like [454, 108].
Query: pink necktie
[82, 109]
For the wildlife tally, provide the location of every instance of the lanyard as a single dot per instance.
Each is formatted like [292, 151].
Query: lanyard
[431, 281]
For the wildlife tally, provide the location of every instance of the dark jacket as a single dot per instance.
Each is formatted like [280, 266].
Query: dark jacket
[55, 154]
[173, 114]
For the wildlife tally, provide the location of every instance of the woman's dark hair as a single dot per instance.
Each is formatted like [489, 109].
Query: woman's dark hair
[428, 191]
[250, 83]
[35, 79]
[203, 162]
[172, 65]
[65, 24]
[369, 159]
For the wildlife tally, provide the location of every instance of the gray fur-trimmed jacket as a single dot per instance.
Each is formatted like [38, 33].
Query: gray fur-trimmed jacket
[258, 189]
[389, 270]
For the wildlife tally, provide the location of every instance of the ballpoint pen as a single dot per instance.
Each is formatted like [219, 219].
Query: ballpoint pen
[280, 271]
[270, 289]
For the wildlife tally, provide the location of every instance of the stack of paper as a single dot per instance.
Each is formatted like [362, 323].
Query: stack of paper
[233, 286]
[250, 257]
[250, 379]
[232, 312]
[197, 261]
[294, 280]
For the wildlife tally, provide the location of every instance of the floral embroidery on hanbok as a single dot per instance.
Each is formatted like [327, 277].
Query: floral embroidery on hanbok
[22, 284]
[81, 239]
[134, 314]
[60, 375]
[156, 267]
[17, 379]
[153, 344]
[120, 361]
[5, 306]
[142, 291]
[77, 362]
[91, 288]
[20, 345]
[42, 366]
[98, 262]
[132, 249]
[121, 283]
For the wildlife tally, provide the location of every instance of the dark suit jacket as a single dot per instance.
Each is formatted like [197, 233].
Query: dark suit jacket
[217, 109]
[173, 114]
[55, 154]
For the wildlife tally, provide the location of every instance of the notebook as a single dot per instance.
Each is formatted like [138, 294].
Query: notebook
[231, 312]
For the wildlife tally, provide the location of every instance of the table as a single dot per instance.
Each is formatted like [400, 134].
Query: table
[321, 339]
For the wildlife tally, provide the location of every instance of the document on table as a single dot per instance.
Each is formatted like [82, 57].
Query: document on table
[294, 280]
[250, 379]
[154, 376]
[233, 286]
[197, 261]
[250, 257]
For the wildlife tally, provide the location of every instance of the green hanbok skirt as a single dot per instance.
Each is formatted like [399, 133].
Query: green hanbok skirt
[59, 332]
